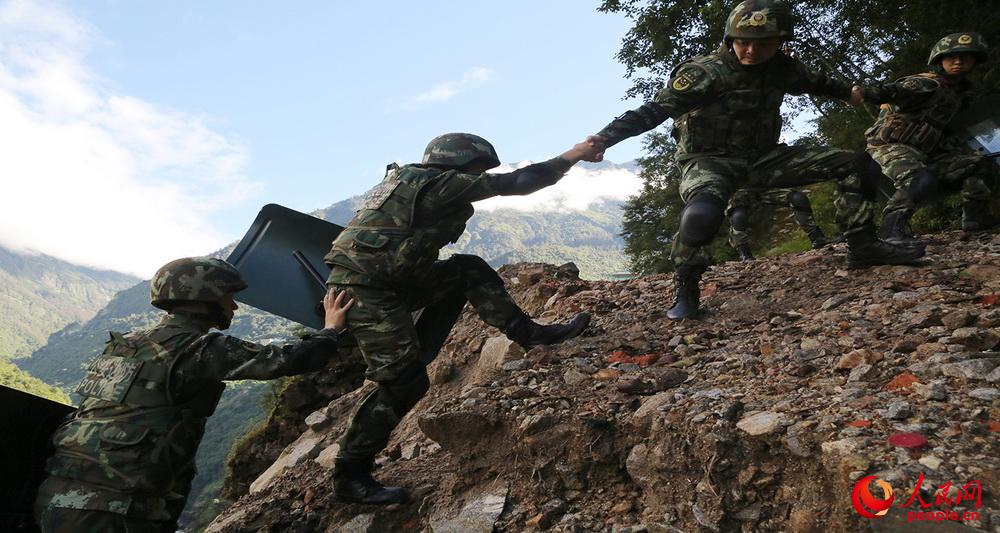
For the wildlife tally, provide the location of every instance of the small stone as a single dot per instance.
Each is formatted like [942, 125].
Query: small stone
[973, 369]
[976, 338]
[935, 390]
[862, 372]
[676, 341]
[931, 462]
[985, 394]
[317, 420]
[410, 450]
[622, 507]
[574, 377]
[835, 301]
[956, 319]
[761, 423]
[842, 446]
[907, 344]
[607, 374]
[810, 344]
[517, 364]
[853, 359]
[898, 410]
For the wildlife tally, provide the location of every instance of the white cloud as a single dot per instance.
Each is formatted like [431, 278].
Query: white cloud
[92, 175]
[577, 190]
[449, 89]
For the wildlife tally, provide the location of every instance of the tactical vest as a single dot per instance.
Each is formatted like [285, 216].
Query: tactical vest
[131, 441]
[921, 126]
[385, 244]
[743, 117]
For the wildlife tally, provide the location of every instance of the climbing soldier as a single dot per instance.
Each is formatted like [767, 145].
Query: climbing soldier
[727, 121]
[912, 143]
[387, 260]
[125, 460]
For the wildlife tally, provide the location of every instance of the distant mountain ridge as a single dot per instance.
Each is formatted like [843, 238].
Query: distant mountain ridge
[40, 294]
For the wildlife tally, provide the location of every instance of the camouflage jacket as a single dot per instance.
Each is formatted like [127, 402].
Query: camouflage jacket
[129, 448]
[916, 109]
[405, 221]
[721, 107]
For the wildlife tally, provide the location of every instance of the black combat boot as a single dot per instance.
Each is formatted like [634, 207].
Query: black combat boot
[819, 240]
[528, 333]
[864, 249]
[744, 252]
[976, 216]
[895, 229]
[687, 293]
[355, 484]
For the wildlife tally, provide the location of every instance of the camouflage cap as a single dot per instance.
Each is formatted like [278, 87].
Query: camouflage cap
[760, 19]
[957, 43]
[459, 150]
[193, 279]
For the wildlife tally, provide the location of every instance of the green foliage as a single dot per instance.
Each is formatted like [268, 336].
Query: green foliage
[649, 219]
[15, 378]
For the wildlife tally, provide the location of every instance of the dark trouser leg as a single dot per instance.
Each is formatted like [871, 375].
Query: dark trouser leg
[802, 210]
[739, 231]
[915, 182]
[59, 520]
[700, 221]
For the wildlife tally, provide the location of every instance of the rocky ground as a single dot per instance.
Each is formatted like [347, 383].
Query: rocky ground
[800, 379]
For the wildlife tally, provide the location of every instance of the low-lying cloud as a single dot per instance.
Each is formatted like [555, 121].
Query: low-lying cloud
[90, 174]
[577, 190]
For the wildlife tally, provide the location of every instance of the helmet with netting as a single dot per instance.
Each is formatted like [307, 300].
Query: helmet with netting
[460, 150]
[193, 279]
[957, 43]
[760, 19]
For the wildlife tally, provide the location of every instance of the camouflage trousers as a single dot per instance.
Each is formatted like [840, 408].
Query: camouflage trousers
[753, 199]
[782, 167]
[382, 322]
[956, 168]
[59, 520]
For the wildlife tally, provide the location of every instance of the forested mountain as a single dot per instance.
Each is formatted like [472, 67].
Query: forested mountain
[41, 294]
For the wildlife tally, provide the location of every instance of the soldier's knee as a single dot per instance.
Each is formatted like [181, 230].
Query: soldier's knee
[923, 187]
[799, 201]
[701, 219]
[476, 270]
[739, 218]
[869, 174]
[407, 388]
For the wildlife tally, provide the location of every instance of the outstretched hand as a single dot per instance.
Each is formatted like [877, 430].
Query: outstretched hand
[591, 149]
[336, 310]
[857, 96]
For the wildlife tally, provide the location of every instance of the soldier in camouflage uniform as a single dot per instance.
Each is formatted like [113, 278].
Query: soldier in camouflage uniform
[125, 460]
[745, 200]
[727, 121]
[912, 142]
[387, 260]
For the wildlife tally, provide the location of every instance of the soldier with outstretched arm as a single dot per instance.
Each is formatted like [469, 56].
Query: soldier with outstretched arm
[912, 142]
[387, 260]
[727, 121]
[125, 460]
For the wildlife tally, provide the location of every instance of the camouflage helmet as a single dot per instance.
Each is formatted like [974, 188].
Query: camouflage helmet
[460, 150]
[760, 19]
[957, 43]
[193, 279]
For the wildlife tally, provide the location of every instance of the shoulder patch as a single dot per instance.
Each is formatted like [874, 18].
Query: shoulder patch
[686, 77]
[919, 82]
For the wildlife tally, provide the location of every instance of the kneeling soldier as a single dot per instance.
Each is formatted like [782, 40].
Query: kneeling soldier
[125, 460]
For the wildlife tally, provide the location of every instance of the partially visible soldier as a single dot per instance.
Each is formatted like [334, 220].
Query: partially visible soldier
[387, 260]
[744, 201]
[727, 122]
[125, 460]
[912, 143]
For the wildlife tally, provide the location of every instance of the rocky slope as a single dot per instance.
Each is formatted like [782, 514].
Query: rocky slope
[759, 417]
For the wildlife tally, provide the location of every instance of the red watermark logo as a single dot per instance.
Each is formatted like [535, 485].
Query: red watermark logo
[940, 509]
[865, 503]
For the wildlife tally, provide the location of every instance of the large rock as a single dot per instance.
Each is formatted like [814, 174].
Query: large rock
[306, 447]
[761, 423]
[497, 351]
[477, 516]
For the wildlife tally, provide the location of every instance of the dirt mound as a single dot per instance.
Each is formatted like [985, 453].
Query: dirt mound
[761, 416]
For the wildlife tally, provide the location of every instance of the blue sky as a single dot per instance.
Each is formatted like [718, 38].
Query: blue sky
[194, 114]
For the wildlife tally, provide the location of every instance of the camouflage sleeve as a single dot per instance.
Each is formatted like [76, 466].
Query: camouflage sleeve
[911, 91]
[804, 80]
[460, 187]
[689, 87]
[530, 178]
[218, 357]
